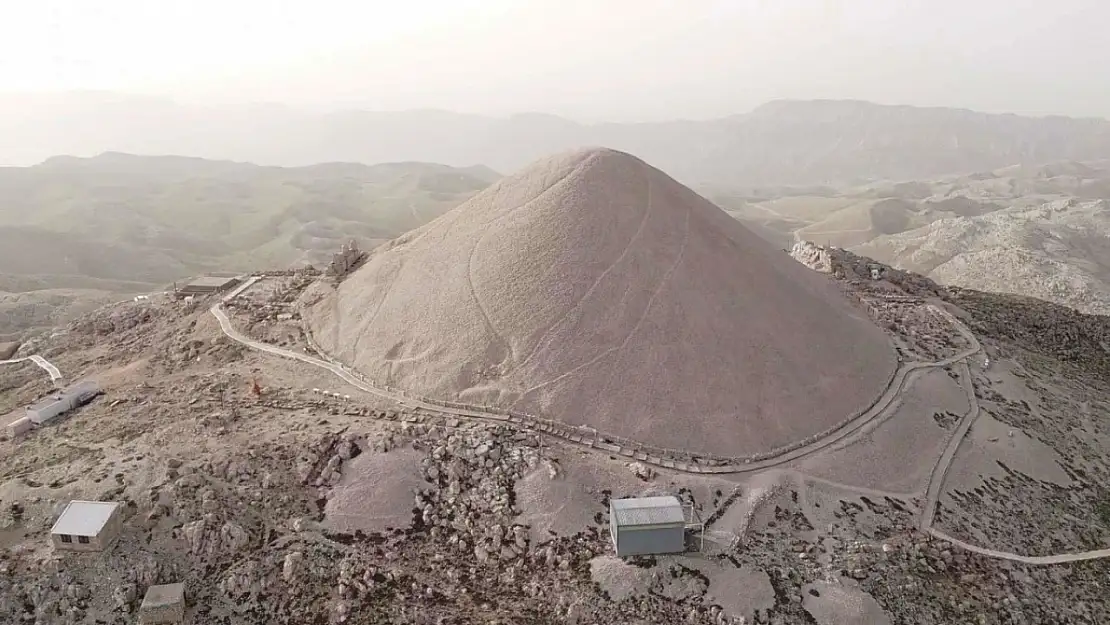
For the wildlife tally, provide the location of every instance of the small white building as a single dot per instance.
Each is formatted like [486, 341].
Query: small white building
[164, 603]
[61, 402]
[20, 426]
[87, 526]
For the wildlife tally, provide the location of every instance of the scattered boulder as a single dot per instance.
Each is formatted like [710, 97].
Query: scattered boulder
[7, 350]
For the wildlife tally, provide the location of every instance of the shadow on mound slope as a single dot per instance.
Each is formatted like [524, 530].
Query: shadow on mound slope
[594, 289]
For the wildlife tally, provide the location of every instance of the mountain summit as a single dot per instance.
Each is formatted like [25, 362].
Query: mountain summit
[594, 289]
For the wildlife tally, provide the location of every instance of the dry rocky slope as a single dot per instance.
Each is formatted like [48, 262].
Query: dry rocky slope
[593, 289]
[1042, 231]
[1058, 251]
[298, 507]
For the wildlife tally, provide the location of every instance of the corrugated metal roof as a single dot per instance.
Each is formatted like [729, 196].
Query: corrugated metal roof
[647, 511]
[84, 518]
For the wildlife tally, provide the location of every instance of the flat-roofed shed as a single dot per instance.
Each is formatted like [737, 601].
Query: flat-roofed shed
[647, 525]
[208, 284]
[163, 604]
[86, 526]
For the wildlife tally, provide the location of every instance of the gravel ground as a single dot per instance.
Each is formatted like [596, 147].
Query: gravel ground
[741, 591]
[563, 503]
[840, 604]
[619, 579]
[375, 492]
[897, 454]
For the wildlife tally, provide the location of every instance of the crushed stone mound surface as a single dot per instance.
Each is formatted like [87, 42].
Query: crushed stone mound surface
[594, 289]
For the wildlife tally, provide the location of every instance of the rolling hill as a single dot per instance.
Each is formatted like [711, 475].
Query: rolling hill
[1041, 231]
[115, 224]
[1059, 252]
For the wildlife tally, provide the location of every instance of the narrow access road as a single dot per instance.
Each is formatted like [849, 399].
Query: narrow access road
[50, 369]
[876, 410]
[229, 330]
[936, 480]
[940, 469]
[1062, 558]
[940, 472]
[242, 287]
[42, 363]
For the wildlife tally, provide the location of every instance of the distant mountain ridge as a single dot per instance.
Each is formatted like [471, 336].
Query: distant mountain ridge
[75, 230]
[786, 142]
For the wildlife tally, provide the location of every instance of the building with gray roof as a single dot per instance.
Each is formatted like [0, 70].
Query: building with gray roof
[206, 285]
[61, 402]
[647, 525]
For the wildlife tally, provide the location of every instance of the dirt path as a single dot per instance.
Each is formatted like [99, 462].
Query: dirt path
[940, 470]
[894, 388]
[225, 325]
[1060, 558]
[936, 481]
[856, 490]
[44, 364]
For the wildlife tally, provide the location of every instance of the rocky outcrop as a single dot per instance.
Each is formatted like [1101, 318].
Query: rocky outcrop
[8, 350]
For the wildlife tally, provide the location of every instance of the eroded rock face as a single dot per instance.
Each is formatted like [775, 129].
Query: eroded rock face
[208, 538]
[321, 464]
[292, 567]
[813, 256]
[642, 471]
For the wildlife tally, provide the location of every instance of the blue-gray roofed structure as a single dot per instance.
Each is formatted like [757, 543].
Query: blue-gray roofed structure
[647, 525]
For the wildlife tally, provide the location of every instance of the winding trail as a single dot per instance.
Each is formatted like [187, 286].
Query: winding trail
[936, 487]
[44, 364]
[940, 470]
[896, 386]
[229, 330]
[1060, 558]
[936, 480]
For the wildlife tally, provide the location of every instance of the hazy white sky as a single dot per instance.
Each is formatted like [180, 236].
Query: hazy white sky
[590, 59]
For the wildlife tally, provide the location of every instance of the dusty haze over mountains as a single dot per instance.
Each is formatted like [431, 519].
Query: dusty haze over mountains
[502, 83]
[619, 60]
[925, 189]
[779, 143]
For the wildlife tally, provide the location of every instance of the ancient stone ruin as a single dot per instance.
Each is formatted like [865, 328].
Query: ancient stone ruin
[345, 259]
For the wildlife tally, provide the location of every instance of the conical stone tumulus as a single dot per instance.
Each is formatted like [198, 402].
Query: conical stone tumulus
[593, 289]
